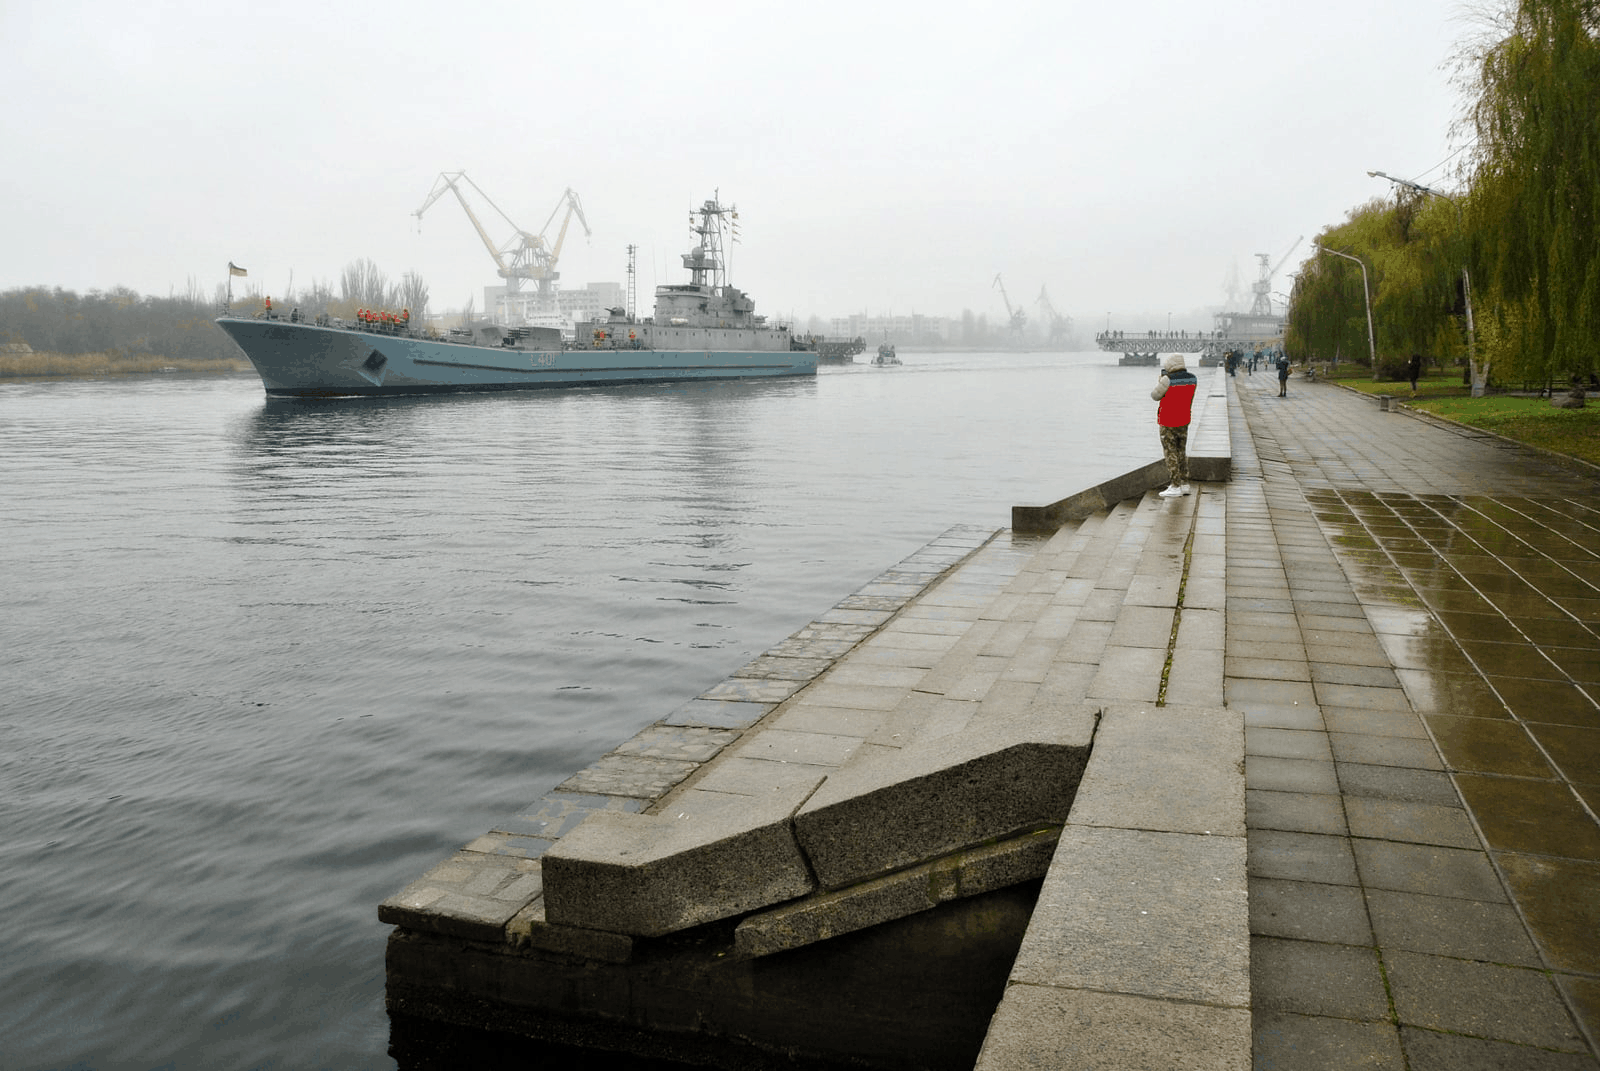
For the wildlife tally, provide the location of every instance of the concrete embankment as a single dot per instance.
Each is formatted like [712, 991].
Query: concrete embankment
[999, 776]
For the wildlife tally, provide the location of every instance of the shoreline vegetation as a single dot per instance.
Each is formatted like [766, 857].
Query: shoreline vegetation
[1491, 264]
[51, 333]
[55, 366]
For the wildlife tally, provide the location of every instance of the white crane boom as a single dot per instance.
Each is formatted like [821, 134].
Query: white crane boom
[524, 255]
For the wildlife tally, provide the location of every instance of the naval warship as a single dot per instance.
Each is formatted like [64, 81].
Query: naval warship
[702, 329]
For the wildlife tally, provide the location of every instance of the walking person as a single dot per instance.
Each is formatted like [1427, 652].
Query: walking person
[1413, 370]
[1175, 391]
[1283, 374]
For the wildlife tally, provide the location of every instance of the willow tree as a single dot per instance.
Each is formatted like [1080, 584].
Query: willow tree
[1411, 249]
[1534, 206]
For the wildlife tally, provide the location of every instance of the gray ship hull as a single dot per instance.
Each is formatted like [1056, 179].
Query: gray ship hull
[305, 360]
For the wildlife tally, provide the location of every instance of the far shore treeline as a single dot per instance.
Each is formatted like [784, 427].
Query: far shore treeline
[49, 331]
[1517, 229]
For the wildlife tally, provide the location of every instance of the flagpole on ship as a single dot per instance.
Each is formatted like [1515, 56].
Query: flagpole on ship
[233, 269]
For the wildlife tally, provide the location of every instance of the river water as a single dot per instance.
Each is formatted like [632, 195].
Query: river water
[263, 663]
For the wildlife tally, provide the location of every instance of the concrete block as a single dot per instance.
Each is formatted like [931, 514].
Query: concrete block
[829, 914]
[1151, 914]
[1040, 1026]
[942, 794]
[708, 856]
[529, 928]
[1091, 501]
[1172, 769]
[1210, 469]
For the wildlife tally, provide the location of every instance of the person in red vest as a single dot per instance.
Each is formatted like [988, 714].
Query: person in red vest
[1175, 391]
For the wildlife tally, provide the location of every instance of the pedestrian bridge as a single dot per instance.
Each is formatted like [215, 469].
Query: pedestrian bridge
[1206, 343]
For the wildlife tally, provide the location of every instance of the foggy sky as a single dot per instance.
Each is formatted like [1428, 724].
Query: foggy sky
[885, 158]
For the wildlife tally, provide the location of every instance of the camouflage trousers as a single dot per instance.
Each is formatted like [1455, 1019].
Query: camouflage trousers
[1173, 444]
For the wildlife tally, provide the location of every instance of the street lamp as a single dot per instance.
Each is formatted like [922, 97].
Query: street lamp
[1366, 291]
[1466, 280]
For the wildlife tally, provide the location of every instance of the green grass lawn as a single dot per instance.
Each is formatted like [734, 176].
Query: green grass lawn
[1575, 432]
[1434, 383]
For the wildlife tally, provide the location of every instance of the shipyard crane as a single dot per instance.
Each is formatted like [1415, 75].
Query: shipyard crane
[1019, 316]
[523, 256]
[1263, 286]
[1060, 326]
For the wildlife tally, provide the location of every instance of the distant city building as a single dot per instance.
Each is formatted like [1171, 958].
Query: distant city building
[571, 305]
[897, 329]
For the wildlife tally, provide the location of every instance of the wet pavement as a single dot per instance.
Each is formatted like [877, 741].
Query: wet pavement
[1406, 615]
[1413, 635]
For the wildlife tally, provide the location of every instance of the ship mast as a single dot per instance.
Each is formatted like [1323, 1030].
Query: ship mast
[709, 257]
[633, 276]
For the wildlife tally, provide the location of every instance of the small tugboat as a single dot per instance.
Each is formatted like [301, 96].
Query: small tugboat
[886, 354]
[702, 329]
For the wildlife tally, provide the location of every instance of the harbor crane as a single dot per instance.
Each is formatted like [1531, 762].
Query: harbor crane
[1019, 316]
[524, 256]
[1263, 286]
[1060, 326]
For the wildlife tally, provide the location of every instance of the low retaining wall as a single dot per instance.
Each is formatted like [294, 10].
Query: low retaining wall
[1210, 455]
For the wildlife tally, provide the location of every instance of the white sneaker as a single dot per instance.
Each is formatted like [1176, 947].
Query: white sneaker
[1172, 491]
[1184, 489]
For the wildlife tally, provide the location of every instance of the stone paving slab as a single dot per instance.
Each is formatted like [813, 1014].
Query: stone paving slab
[470, 895]
[1050, 1027]
[1144, 913]
[1199, 754]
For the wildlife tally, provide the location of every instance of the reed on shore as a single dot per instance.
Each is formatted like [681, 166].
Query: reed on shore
[37, 365]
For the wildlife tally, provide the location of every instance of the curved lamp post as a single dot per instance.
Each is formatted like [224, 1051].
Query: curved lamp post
[1366, 292]
[1466, 280]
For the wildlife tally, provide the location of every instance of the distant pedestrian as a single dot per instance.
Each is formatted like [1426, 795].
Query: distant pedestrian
[1283, 374]
[1175, 391]
[1413, 370]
